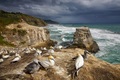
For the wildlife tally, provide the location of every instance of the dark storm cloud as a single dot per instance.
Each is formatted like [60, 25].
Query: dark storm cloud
[75, 11]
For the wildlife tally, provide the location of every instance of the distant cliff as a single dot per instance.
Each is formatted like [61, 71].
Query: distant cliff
[21, 29]
[51, 22]
[11, 17]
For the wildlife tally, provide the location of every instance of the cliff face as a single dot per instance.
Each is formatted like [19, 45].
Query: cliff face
[12, 30]
[25, 34]
[83, 39]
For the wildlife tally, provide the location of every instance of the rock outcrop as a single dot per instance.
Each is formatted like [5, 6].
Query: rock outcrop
[25, 34]
[93, 68]
[83, 39]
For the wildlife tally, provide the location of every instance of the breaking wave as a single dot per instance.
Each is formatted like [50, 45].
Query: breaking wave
[108, 41]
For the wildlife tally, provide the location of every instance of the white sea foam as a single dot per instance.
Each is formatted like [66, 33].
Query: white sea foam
[105, 39]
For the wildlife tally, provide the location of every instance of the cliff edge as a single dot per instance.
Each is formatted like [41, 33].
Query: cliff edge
[93, 68]
[17, 29]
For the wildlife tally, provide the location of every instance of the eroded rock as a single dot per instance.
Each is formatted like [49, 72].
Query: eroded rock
[84, 39]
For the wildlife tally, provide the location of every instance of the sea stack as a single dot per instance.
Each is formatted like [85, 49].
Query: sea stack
[84, 39]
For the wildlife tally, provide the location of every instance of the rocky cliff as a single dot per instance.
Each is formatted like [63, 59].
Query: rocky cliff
[84, 39]
[21, 29]
[25, 34]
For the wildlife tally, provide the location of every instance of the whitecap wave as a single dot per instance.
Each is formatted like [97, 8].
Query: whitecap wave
[106, 39]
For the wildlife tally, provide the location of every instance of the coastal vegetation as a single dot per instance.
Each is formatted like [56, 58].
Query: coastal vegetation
[7, 18]
[4, 43]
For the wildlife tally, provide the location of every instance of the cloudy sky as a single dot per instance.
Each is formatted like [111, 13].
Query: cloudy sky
[67, 11]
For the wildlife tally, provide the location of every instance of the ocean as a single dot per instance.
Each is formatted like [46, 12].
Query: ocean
[106, 35]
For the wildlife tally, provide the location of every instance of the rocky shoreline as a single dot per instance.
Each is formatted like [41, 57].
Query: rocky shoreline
[93, 68]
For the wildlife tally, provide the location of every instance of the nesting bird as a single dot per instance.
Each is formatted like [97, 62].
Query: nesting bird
[5, 56]
[43, 48]
[1, 60]
[38, 52]
[51, 51]
[59, 47]
[79, 62]
[47, 63]
[17, 58]
[32, 67]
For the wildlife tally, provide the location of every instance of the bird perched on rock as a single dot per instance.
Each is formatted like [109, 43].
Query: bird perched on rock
[47, 63]
[32, 67]
[17, 58]
[79, 62]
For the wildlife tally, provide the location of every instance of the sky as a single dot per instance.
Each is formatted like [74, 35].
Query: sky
[67, 11]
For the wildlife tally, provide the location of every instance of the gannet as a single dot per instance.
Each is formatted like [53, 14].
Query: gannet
[5, 56]
[1, 60]
[47, 63]
[59, 47]
[27, 50]
[51, 51]
[38, 52]
[85, 54]
[33, 49]
[17, 58]
[32, 67]
[43, 48]
[79, 62]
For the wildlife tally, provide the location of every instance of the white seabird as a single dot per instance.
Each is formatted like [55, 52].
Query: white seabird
[27, 50]
[32, 67]
[43, 48]
[79, 62]
[38, 52]
[51, 51]
[59, 47]
[17, 58]
[48, 63]
[5, 56]
[1, 60]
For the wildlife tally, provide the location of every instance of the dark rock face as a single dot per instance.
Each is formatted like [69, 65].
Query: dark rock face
[83, 39]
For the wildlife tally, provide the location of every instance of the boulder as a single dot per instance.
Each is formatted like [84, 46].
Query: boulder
[84, 39]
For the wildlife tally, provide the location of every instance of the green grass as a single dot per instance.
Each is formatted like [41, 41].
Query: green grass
[4, 43]
[7, 18]
[20, 32]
